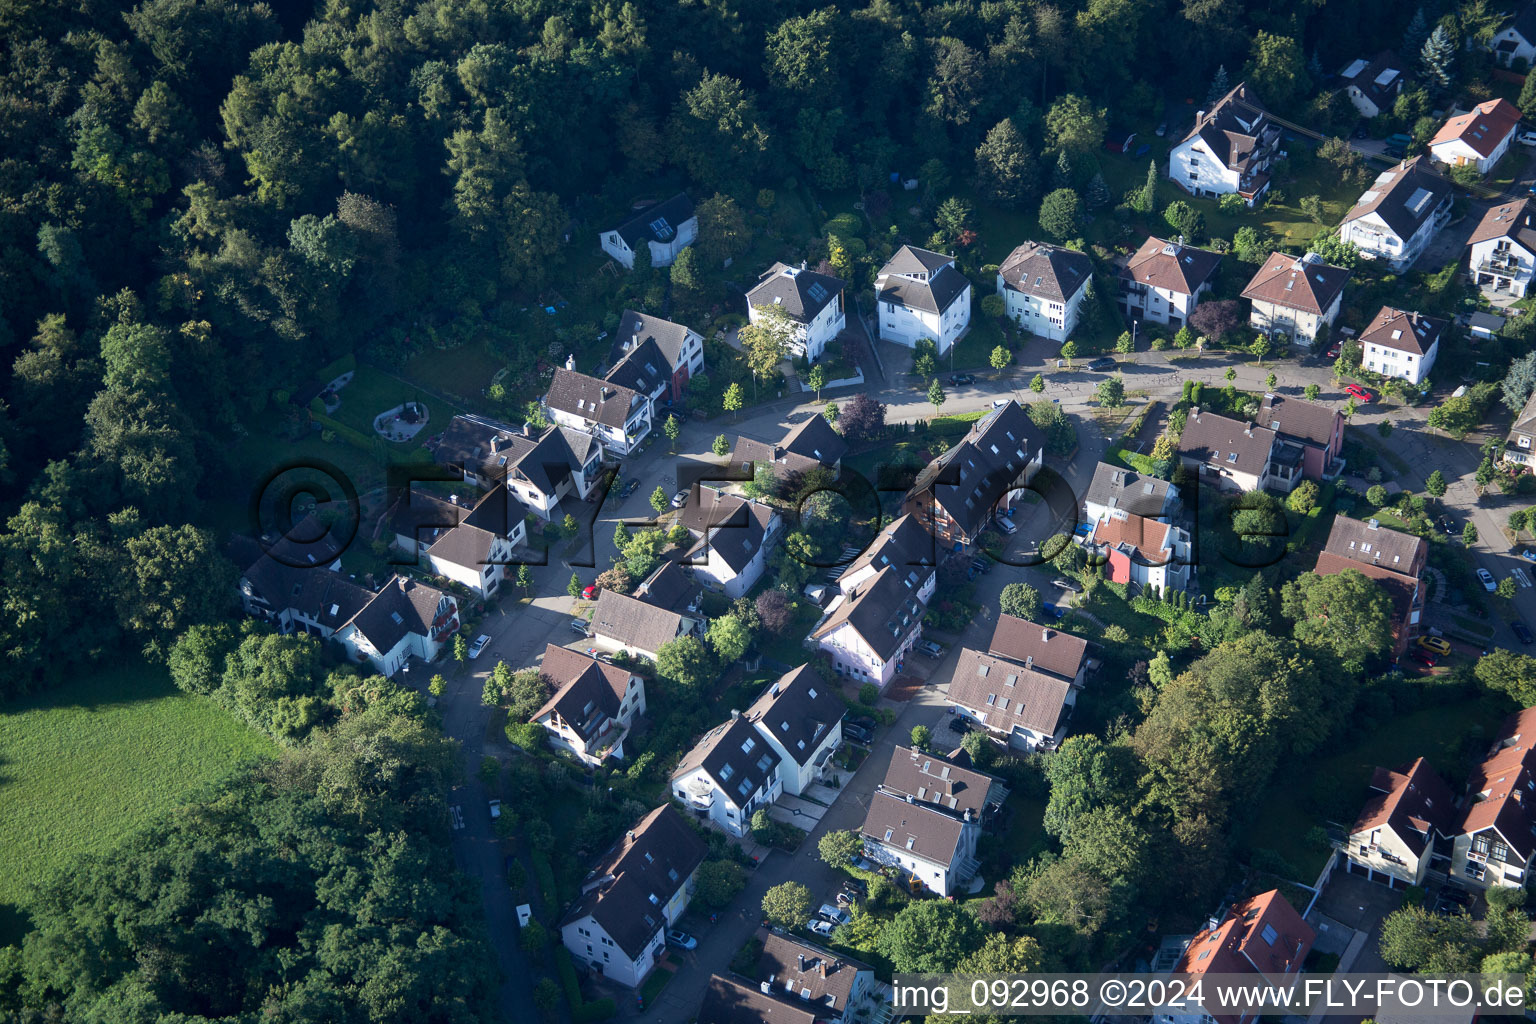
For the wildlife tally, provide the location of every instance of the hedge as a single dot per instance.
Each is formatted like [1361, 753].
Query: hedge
[581, 1012]
[351, 435]
[545, 876]
[330, 371]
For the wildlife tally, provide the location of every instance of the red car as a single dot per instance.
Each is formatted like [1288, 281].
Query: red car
[1333, 353]
[589, 592]
[1424, 657]
[1357, 391]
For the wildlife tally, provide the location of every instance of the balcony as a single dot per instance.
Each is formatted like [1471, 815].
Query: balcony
[1496, 264]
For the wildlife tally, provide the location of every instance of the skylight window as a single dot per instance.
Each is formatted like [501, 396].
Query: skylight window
[662, 230]
[817, 291]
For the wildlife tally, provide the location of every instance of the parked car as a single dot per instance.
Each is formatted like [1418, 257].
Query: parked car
[1434, 643]
[817, 926]
[856, 885]
[1333, 353]
[1053, 610]
[580, 626]
[589, 592]
[1424, 657]
[1005, 524]
[495, 806]
[835, 914]
[630, 487]
[933, 650]
[981, 565]
[1527, 139]
[1486, 579]
[960, 725]
[1067, 585]
[857, 733]
[1521, 633]
[1102, 364]
[844, 898]
[998, 403]
[682, 940]
[680, 499]
[1528, 555]
[1448, 525]
[1360, 132]
[1162, 129]
[1356, 391]
[478, 645]
[961, 379]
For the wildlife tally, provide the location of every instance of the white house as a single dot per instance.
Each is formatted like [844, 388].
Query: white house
[1399, 343]
[539, 469]
[1164, 281]
[1229, 454]
[1126, 490]
[1393, 839]
[1150, 553]
[655, 357]
[922, 294]
[1516, 38]
[1400, 213]
[664, 227]
[813, 303]
[1374, 85]
[404, 620]
[869, 632]
[1293, 297]
[1230, 149]
[638, 890]
[640, 629]
[1263, 936]
[296, 582]
[1521, 443]
[1043, 287]
[803, 973]
[593, 706]
[729, 775]
[810, 444]
[902, 545]
[1495, 838]
[1478, 138]
[801, 719]
[732, 539]
[1503, 248]
[473, 547]
[618, 417]
[1023, 688]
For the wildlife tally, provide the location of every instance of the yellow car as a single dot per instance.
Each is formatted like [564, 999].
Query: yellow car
[1434, 643]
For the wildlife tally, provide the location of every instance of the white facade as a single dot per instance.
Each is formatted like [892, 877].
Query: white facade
[484, 580]
[793, 776]
[1041, 315]
[618, 440]
[1299, 325]
[1509, 45]
[412, 645]
[943, 879]
[811, 340]
[1503, 265]
[1486, 859]
[904, 325]
[1457, 153]
[718, 574]
[608, 740]
[699, 792]
[1391, 362]
[853, 657]
[1194, 168]
[1165, 305]
[1381, 851]
[589, 943]
[662, 253]
[1378, 241]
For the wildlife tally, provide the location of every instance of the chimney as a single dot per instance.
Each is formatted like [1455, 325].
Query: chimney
[570, 362]
[630, 835]
[735, 714]
[821, 965]
[967, 814]
[1248, 430]
[802, 962]
[1045, 635]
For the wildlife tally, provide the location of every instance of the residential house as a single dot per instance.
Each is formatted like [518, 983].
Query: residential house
[1126, 490]
[1023, 688]
[638, 890]
[802, 721]
[1394, 219]
[902, 545]
[664, 228]
[1043, 288]
[869, 631]
[1478, 138]
[1262, 936]
[672, 588]
[404, 620]
[1516, 39]
[732, 538]
[624, 623]
[1230, 149]
[295, 583]
[1484, 326]
[1314, 428]
[655, 357]
[728, 1001]
[1520, 448]
[1373, 85]
[950, 783]
[957, 494]
[809, 444]
[813, 303]
[922, 294]
[1400, 343]
[1494, 837]
[618, 417]
[1503, 248]
[804, 973]
[539, 469]
[593, 706]
[1151, 553]
[1165, 280]
[1395, 560]
[1232, 455]
[1293, 297]
[730, 773]
[1393, 838]
[471, 546]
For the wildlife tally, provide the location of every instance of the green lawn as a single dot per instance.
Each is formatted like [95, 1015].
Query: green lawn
[83, 766]
[372, 391]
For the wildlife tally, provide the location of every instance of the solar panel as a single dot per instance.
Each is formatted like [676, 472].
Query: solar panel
[661, 229]
[817, 292]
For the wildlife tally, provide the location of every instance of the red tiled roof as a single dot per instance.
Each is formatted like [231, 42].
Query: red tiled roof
[1483, 127]
[1262, 935]
[1411, 801]
[1507, 777]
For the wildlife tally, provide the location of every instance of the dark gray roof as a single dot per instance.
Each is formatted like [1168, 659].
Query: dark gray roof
[493, 450]
[970, 478]
[736, 758]
[1047, 271]
[401, 608]
[586, 690]
[814, 438]
[633, 881]
[800, 293]
[1404, 197]
[909, 259]
[938, 780]
[1128, 490]
[919, 828]
[799, 709]
[285, 577]
[732, 526]
[1515, 220]
[920, 279]
[730, 1002]
[633, 623]
[1299, 420]
[591, 398]
[658, 222]
[667, 587]
[1237, 131]
[1379, 79]
[795, 969]
[904, 545]
[647, 351]
[1404, 330]
[883, 611]
[1523, 21]
[1213, 439]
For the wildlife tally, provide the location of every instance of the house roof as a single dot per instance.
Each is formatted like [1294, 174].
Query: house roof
[668, 586]
[1412, 801]
[929, 777]
[902, 544]
[1404, 330]
[1008, 693]
[646, 352]
[799, 292]
[920, 279]
[1515, 221]
[917, 828]
[583, 687]
[883, 611]
[1215, 440]
[402, 607]
[591, 398]
[1305, 282]
[294, 572]
[428, 519]
[1047, 271]
[1233, 130]
[1135, 534]
[799, 709]
[491, 450]
[1171, 265]
[1403, 197]
[1525, 421]
[737, 760]
[729, 1002]
[812, 442]
[1487, 321]
[1523, 22]
[627, 891]
[1296, 419]
[968, 480]
[806, 972]
[634, 623]
[657, 222]
[1482, 128]
[1045, 648]
[1127, 489]
[731, 526]
[1399, 587]
[1378, 79]
[1503, 787]
[1359, 541]
[1262, 935]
